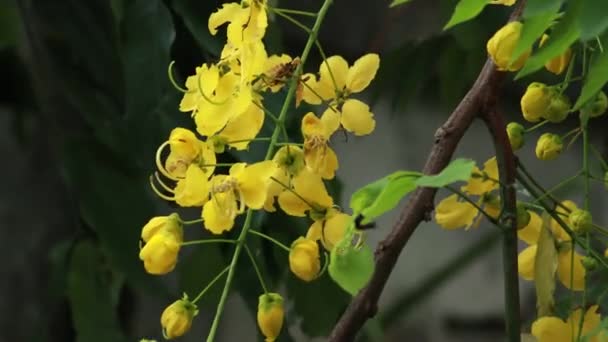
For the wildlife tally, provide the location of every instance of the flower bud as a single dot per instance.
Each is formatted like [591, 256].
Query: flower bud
[535, 101]
[169, 223]
[516, 132]
[304, 259]
[597, 106]
[559, 108]
[558, 64]
[176, 320]
[580, 220]
[589, 263]
[523, 216]
[500, 47]
[549, 146]
[270, 315]
[159, 254]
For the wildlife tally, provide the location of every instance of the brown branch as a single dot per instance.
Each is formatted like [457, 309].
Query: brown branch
[479, 98]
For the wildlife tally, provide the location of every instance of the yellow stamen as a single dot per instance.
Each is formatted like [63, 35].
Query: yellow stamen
[159, 164]
[163, 185]
[158, 193]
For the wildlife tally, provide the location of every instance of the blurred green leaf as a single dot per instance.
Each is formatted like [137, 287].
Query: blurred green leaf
[90, 295]
[565, 33]
[539, 7]
[545, 266]
[398, 2]
[195, 13]
[351, 267]
[382, 195]
[533, 28]
[594, 18]
[10, 25]
[457, 170]
[465, 10]
[597, 76]
[198, 268]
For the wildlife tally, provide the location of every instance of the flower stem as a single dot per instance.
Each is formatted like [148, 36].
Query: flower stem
[536, 126]
[271, 148]
[291, 11]
[205, 241]
[257, 270]
[271, 239]
[217, 277]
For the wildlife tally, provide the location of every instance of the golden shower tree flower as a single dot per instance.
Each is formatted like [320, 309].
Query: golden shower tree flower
[500, 47]
[320, 158]
[247, 21]
[558, 64]
[160, 252]
[554, 329]
[186, 149]
[270, 315]
[308, 194]
[177, 318]
[330, 229]
[304, 259]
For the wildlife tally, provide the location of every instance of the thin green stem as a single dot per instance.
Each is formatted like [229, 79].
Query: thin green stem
[191, 221]
[540, 124]
[248, 140]
[257, 269]
[286, 187]
[292, 11]
[599, 157]
[528, 175]
[271, 239]
[271, 148]
[205, 241]
[213, 281]
[558, 186]
[289, 144]
[267, 112]
[566, 80]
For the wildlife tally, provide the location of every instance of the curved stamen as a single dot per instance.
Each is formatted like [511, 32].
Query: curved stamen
[158, 193]
[200, 90]
[159, 164]
[172, 79]
[162, 184]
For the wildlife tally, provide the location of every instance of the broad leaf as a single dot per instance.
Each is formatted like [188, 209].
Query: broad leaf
[539, 7]
[545, 266]
[351, 267]
[194, 13]
[533, 28]
[398, 2]
[594, 18]
[457, 170]
[465, 10]
[382, 195]
[597, 76]
[565, 33]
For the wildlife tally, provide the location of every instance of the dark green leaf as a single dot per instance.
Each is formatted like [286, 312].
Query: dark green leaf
[382, 195]
[90, 294]
[533, 28]
[198, 268]
[597, 76]
[565, 33]
[195, 14]
[465, 10]
[351, 267]
[457, 170]
[398, 2]
[539, 7]
[594, 18]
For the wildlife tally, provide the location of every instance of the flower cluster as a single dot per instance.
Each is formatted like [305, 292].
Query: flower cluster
[225, 99]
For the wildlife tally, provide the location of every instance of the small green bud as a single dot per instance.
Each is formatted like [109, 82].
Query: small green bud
[580, 220]
[535, 101]
[559, 108]
[598, 105]
[589, 263]
[549, 146]
[516, 132]
[523, 216]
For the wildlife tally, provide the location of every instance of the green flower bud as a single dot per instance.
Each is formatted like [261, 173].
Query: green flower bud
[559, 108]
[549, 146]
[176, 320]
[535, 101]
[523, 216]
[580, 220]
[515, 131]
[597, 106]
[589, 263]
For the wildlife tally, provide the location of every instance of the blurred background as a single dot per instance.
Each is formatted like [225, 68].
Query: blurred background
[88, 101]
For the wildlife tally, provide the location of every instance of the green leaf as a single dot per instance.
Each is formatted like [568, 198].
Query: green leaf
[539, 7]
[594, 19]
[195, 13]
[597, 76]
[398, 2]
[565, 33]
[196, 270]
[533, 28]
[545, 266]
[382, 195]
[457, 170]
[465, 10]
[94, 314]
[351, 267]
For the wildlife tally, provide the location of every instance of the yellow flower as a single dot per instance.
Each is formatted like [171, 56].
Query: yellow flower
[169, 223]
[503, 2]
[159, 254]
[270, 315]
[565, 269]
[243, 127]
[185, 149]
[304, 259]
[336, 83]
[500, 47]
[482, 182]
[319, 157]
[553, 329]
[558, 64]
[516, 132]
[176, 319]
[308, 193]
[193, 189]
[535, 101]
[277, 71]
[330, 230]
[290, 162]
[246, 184]
[247, 21]
[451, 213]
[549, 146]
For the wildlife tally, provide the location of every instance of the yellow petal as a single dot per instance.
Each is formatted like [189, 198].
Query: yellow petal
[452, 214]
[559, 232]
[310, 92]
[245, 126]
[193, 190]
[330, 120]
[292, 204]
[333, 73]
[227, 13]
[526, 261]
[312, 188]
[357, 118]
[565, 271]
[551, 329]
[329, 164]
[218, 213]
[272, 67]
[531, 232]
[208, 157]
[274, 188]
[334, 228]
[311, 125]
[253, 183]
[362, 72]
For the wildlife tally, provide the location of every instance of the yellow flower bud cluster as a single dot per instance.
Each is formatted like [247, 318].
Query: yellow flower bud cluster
[225, 98]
